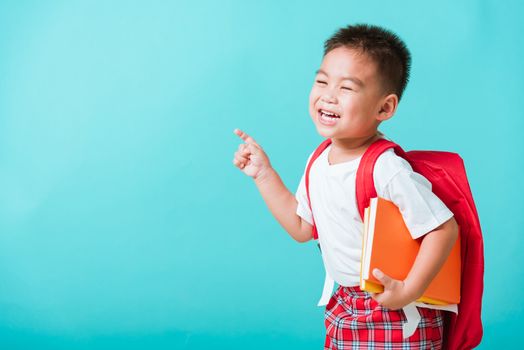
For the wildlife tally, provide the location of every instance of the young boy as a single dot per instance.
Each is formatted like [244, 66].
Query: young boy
[362, 76]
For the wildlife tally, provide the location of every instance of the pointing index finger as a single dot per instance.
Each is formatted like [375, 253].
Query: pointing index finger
[244, 136]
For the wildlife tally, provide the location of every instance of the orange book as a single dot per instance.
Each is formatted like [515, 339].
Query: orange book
[388, 246]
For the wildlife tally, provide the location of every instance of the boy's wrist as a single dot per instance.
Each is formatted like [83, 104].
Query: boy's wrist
[412, 290]
[264, 174]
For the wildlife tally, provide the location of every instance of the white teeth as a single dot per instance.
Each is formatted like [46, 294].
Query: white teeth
[332, 115]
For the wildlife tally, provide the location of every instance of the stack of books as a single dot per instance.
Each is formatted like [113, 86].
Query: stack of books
[388, 246]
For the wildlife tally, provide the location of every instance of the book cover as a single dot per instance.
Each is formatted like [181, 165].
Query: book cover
[388, 246]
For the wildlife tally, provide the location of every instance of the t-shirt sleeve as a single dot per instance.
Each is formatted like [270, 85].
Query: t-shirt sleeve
[303, 209]
[411, 192]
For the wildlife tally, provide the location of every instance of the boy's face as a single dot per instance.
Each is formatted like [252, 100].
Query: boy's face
[348, 85]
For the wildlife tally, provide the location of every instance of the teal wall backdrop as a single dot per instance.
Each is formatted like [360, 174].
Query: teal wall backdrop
[125, 225]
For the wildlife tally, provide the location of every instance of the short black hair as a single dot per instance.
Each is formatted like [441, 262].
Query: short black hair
[383, 46]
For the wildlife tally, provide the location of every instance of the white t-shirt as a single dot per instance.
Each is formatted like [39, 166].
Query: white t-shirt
[332, 193]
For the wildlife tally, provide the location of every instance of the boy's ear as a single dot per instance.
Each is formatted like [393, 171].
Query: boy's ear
[388, 107]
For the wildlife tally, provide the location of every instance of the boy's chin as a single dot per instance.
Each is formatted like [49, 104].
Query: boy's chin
[325, 132]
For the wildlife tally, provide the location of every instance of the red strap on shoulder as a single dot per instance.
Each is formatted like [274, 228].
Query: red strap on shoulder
[315, 155]
[365, 185]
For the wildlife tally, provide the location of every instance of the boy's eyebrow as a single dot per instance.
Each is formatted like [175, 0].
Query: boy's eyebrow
[353, 79]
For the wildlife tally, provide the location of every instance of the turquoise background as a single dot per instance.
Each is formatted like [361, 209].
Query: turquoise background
[125, 225]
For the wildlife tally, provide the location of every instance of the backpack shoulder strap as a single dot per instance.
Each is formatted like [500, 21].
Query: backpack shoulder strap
[365, 185]
[315, 155]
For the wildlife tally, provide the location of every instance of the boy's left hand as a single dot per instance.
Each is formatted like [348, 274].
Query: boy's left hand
[395, 296]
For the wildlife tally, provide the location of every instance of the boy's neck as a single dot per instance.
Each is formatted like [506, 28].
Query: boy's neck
[354, 147]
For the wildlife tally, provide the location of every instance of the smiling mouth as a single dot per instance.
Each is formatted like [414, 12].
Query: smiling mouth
[327, 118]
[327, 114]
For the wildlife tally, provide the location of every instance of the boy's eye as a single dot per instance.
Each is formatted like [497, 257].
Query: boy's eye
[347, 88]
[321, 82]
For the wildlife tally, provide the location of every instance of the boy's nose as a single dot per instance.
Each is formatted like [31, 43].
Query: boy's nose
[329, 98]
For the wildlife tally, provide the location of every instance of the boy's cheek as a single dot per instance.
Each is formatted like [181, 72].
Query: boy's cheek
[313, 94]
[312, 109]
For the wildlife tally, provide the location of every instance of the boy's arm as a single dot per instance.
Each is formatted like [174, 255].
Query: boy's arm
[283, 205]
[253, 161]
[434, 250]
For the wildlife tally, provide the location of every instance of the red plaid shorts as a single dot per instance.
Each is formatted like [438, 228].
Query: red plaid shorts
[354, 320]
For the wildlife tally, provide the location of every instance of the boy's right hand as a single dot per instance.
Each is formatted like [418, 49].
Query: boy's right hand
[250, 157]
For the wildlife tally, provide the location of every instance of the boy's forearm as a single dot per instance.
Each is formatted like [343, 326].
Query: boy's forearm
[434, 250]
[281, 202]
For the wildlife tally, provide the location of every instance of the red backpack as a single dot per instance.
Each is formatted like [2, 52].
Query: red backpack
[447, 175]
